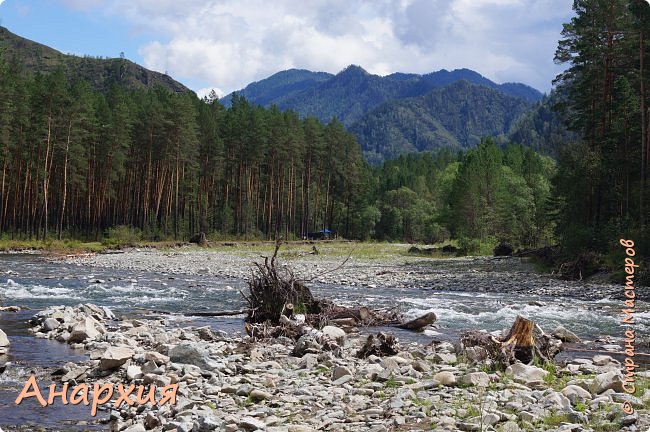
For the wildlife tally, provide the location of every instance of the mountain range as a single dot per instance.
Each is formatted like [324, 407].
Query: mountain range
[389, 115]
[400, 113]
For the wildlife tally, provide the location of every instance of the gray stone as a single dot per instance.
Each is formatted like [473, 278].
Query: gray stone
[476, 354]
[479, 379]
[556, 400]
[306, 344]
[299, 428]
[193, 354]
[445, 378]
[156, 357]
[527, 375]
[135, 428]
[342, 380]
[51, 324]
[576, 393]
[613, 380]
[252, 424]
[209, 423]
[4, 340]
[510, 426]
[133, 372]
[445, 358]
[630, 419]
[491, 419]
[334, 333]
[604, 360]
[115, 357]
[565, 335]
[339, 372]
[84, 329]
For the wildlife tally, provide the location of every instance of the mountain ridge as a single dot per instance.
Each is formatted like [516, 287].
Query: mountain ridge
[391, 115]
[101, 73]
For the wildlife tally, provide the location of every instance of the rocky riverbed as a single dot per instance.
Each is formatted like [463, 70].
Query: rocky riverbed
[236, 384]
[396, 270]
[229, 382]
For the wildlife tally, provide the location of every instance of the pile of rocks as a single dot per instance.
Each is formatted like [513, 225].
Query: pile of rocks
[236, 384]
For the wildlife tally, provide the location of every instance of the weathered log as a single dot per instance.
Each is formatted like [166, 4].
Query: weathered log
[420, 323]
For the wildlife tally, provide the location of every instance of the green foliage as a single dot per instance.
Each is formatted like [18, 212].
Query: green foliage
[101, 73]
[130, 164]
[601, 184]
[122, 236]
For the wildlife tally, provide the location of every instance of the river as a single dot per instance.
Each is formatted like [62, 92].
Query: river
[31, 281]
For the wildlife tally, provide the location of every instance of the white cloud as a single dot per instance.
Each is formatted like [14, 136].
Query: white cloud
[229, 43]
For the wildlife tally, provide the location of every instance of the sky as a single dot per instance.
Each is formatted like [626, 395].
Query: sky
[227, 44]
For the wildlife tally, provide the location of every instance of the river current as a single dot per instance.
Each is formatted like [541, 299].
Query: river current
[30, 281]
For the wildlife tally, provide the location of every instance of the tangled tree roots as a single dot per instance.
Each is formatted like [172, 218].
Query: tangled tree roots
[274, 294]
[271, 289]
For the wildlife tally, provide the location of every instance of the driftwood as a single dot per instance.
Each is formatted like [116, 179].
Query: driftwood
[217, 313]
[270, 289]
[380, 345]
[520, 344]
[419, 323]
[274, 291]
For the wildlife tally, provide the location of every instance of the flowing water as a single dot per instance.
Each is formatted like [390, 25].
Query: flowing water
[30, 281]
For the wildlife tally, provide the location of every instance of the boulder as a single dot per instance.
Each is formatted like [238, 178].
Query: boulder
[192, 354]
[306, 345]
[565, 335]
[556, 400]
[479, 379]
[84, 329]
[51, 324]
[334, 333]
[339, 372]
[252, 424]
[527, 375]
[133, 372]
[576, 393]
[445, 378]
[4, 340]
[609, 380]
[605, 360]
[115, 357]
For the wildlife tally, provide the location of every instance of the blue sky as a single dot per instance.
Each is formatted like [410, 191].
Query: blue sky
[226, 44]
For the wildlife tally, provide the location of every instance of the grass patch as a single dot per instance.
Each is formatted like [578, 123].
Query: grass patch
[392, 383]
[69, 246]
[555, 419]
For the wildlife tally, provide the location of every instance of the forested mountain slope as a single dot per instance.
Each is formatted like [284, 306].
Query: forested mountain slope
[101, 73]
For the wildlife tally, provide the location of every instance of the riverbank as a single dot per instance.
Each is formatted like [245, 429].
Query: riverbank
[227, 383]
[368, 265]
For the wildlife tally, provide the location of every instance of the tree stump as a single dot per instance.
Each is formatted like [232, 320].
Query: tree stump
[519, 345]
[520, 340]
